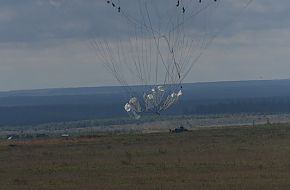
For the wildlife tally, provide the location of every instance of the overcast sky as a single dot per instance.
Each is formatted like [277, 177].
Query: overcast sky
[44, 44]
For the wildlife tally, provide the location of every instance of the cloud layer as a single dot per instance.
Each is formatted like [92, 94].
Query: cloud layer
[44, 43]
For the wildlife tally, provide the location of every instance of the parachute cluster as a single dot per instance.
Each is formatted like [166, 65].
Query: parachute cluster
[153, 102]
[150, 46]
[154, 52]
[156, 44]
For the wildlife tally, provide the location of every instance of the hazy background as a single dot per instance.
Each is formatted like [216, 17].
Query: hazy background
[44, 44]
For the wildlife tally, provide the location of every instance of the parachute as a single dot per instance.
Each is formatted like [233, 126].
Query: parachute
[156, 45]
[150, 46]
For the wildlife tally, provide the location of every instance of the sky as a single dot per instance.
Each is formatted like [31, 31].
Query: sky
[45, 44]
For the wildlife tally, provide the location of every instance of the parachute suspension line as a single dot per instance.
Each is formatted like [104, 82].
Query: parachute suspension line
[157, 44]
[136, 22]
[146, 61]
[150, 61]
[123, 81]
[157, 62]
[189, 52]
[175, 45]
[160, 50]
[206, 45]
[122, 59]
[125, 60]
[178, 47]
[191, 62]
[119, 67]
[171, 51]
[189, 49]
[138, 54]
[113, 61]
[194, 61]
[68, 7]
[184, 45]
[103, 57]
[151, 29]
[180, 42]
[143, 48]
[104, 52]
[200, 41]
[172, 48]
[143, 57]
[137, 46]
[109, 64]
[133, 51]
[192, 15]
[172, 65]
[122, 54]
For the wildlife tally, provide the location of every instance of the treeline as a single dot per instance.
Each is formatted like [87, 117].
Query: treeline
[27, 115]
[65, 105]
[18, 115]
[234, 106]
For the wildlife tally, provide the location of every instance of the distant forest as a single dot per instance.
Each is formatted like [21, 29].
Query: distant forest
[58, 105]
[252, 105]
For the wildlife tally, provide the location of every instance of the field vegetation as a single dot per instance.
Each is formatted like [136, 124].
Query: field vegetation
[210, 158]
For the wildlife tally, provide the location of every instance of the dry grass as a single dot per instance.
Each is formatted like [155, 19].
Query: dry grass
[221, 158]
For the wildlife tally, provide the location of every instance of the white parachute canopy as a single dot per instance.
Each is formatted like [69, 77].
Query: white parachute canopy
[133, 107]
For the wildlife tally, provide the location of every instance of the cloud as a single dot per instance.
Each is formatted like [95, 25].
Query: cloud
[72, 64]
[40, 20]
[44, 38]
[246, 56]
[7, 16]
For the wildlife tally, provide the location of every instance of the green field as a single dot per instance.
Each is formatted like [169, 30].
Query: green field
[213, 158]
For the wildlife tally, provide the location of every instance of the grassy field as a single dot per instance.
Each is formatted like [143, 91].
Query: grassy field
[216, 158]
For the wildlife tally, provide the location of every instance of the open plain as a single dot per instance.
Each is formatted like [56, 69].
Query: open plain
[217, 158]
